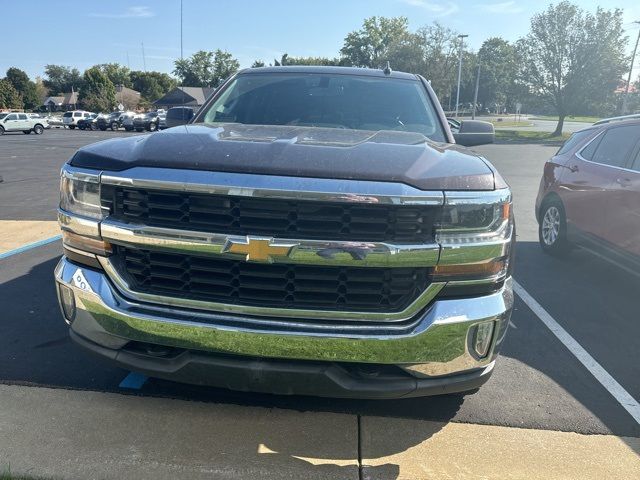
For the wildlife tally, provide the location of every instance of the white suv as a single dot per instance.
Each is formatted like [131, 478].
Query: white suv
[70, 119]
[21, 122]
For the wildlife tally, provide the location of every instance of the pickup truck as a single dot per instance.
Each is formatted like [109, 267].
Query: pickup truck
[311, 230]
[21, 122]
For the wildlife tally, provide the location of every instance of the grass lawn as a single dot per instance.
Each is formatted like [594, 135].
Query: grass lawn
[518, 136]
[567, 119]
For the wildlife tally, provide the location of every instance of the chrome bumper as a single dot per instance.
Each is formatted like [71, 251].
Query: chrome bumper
[436, 343]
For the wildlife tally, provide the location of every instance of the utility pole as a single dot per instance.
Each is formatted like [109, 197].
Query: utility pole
[461, 37]
[475, 95]
[625, 101]
[144, 59]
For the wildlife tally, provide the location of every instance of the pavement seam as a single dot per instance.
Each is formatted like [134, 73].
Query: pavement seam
[360, 467]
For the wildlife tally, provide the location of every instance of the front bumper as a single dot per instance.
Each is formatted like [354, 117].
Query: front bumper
[430, 354]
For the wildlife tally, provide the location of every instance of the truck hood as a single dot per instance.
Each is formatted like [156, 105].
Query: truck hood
[387, 156]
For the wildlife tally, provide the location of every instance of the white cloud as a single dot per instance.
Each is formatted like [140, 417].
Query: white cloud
[131, 12]
[437, 8]
[510, 6]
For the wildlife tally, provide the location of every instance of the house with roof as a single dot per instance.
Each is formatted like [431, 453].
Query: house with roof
[184, 97]
[66, 101]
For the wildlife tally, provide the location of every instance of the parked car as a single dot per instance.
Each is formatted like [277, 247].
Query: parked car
[70, 119]
[589, 195]
[21, 122]
[314, 241]
[112, 121]
[162, 124]
[88, 123]
[127, 120]
[149, 121]
[55, 121]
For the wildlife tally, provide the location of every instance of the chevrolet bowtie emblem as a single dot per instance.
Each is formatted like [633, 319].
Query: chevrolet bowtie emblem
[258, 249]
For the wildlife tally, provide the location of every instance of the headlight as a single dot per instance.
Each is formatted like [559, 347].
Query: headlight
[80, 194]
[475, 233]
[470, 217]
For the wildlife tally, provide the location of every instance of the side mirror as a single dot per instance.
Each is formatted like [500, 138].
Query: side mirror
[179, 116]
[474, 132]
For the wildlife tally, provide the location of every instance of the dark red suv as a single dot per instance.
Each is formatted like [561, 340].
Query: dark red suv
[590, 193]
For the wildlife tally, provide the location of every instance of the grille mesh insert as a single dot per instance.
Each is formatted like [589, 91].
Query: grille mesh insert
[237, 215]
[270, 285]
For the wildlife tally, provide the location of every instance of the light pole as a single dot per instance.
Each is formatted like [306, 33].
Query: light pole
[633, 57]
[461, 37]
[475, 95]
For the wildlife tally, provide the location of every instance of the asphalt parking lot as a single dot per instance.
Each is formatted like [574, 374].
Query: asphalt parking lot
[538, 383]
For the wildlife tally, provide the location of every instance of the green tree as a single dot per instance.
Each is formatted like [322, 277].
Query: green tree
[572, 59]
[288, 60]
[25, 88]
[499, 66]
[439, 47]
[9, 96]
[257, 63]
[373, 45]
[206, 69]
[152, 85]
[118, 74]
[98, 93]
[60, 79]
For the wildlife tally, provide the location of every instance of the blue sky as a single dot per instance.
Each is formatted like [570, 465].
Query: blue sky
[81, 34]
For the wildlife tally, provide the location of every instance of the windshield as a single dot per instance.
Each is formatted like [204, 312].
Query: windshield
[2, 115]
[327, 100]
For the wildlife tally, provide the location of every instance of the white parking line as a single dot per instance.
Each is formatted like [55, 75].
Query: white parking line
[618, 392]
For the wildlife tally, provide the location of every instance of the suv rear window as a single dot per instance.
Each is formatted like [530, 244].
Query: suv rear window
[68, 114]
[614, 146]
[574, 140]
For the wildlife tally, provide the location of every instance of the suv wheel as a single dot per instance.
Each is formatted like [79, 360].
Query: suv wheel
[153, 127]
[38, 129]
[114, 126]
[552, 229]
[1, 130]
[72, 127]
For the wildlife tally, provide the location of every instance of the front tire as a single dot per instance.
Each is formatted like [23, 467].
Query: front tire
[1, 130]
[114, 126]
[38, 129]
[72, 127]
[152, 127]
[552, 228]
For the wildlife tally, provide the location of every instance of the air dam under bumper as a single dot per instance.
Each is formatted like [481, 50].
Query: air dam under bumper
[428, 356]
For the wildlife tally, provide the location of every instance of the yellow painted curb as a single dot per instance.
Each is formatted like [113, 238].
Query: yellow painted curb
[17, 233]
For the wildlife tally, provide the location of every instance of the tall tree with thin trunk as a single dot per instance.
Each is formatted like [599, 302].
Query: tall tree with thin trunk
[573, 59]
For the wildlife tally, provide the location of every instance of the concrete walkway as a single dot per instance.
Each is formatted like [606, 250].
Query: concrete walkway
[89, 435]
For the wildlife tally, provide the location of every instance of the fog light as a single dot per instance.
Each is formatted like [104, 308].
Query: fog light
[68, 301]
[482, 335]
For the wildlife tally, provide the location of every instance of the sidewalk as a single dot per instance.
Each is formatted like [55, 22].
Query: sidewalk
[86, 435]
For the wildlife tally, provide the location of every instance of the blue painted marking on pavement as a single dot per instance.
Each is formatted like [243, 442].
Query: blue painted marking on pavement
[29, 246]
[134, 381]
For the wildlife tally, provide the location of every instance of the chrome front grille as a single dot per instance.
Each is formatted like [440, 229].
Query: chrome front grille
[279, 218]
[273, 247]
[270, 285]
